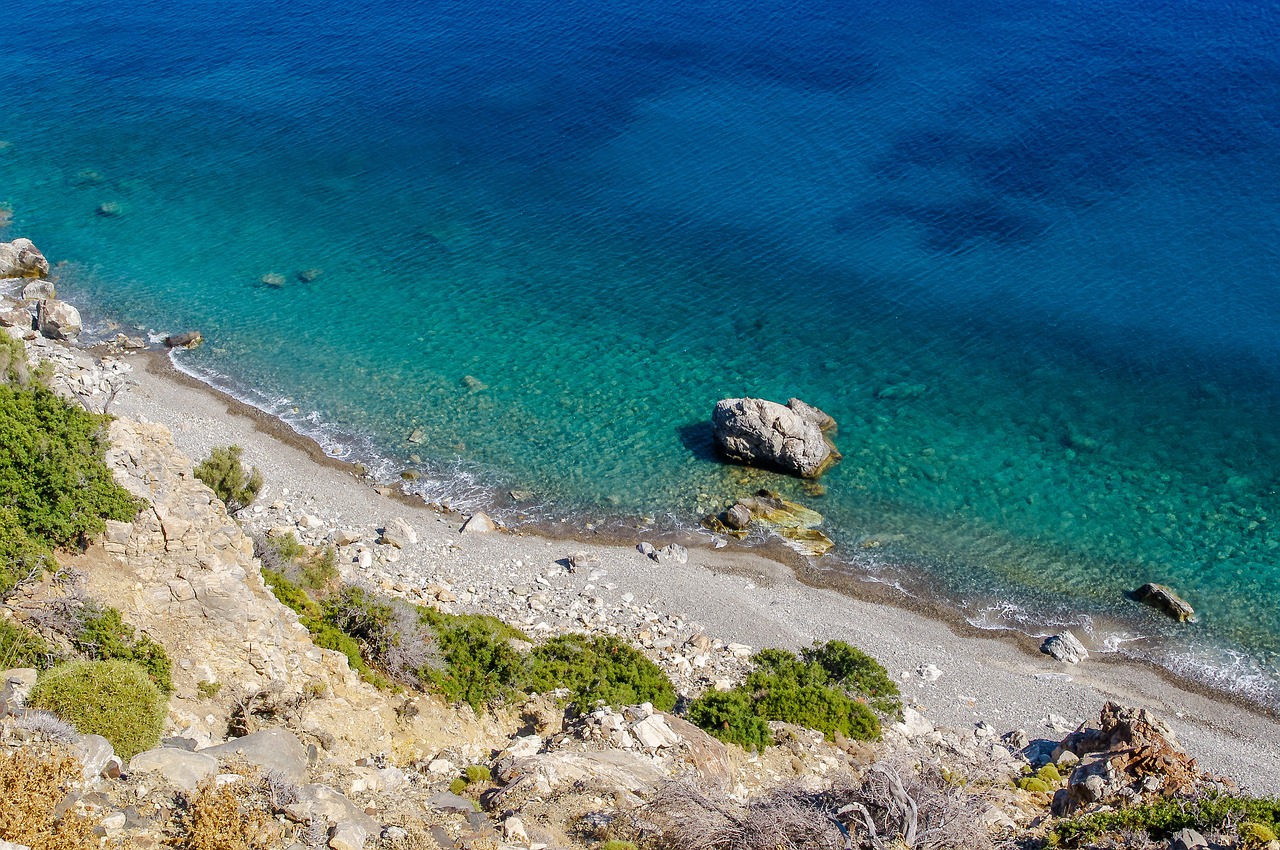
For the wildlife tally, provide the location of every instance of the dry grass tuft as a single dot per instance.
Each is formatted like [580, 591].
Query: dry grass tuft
[32, 785]
[221, 817]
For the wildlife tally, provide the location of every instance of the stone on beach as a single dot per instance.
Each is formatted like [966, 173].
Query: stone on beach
[399, 533]
[479, 523]
[790, 438]
[20, 258]
[1065, 647]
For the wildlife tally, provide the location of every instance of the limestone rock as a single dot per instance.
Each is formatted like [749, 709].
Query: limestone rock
[321, 801]
[479, 523]
[271, 749]
[399, 533]
[790, 438]
[57, 319]
[16, 685]
[179, 767]
[609, 772]
[1166, 600]
[674, 552]
[1188, 839]
[737, 518]
[39, 290]
[20, 258]
[1065, 647]
[348, 836]
[94, 753]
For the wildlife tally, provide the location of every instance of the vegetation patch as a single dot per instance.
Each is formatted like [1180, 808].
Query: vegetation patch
[599, 670]
[105, 636]
[225, 475]
[1162, 818]
[32, 787]
[55, 488]
[114, 699]
[222, 817]
[832, 688]
[475, 661]
[21, 647]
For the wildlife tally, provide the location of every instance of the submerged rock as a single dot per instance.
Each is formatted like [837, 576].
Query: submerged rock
[791, 521]
[309, 275]
[110, 209]
[20, 258]
[1165, 600]
[791, 438]
[273, 279]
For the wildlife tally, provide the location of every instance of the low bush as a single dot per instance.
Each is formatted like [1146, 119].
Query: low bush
[731, 717]
[824, 690]
[599, 670]
[114, 699]
[222, 817]
[20, 647]
[105, 636]
[225, 475]
[57, 489]
[1162, 818]
[476, 663]
[32, 787]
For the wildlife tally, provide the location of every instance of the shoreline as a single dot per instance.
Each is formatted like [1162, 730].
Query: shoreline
[848, 584]
[994, 676]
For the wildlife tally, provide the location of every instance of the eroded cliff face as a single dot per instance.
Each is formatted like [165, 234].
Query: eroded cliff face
[184, 573]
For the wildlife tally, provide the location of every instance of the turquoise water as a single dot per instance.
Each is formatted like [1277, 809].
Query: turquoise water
[1027, 258]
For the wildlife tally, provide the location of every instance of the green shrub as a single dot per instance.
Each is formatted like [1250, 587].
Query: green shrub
[21, 647]
[1162, 818]
[226, 476]
[731, 717]
[458, 785]
[114, 699]
[616, 844]
[287, 546]
[329, 636]
[13, 360]
[56, 488]
[477, 664]
[319, 571]
[208, 690]
[857, 673]
[1255, 836]
[1032, 783]
[105, 636]
[477, 773]
[822, 691]
[289, 594]
[601, 669]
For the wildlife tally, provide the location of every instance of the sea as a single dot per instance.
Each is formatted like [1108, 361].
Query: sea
[1026, 254]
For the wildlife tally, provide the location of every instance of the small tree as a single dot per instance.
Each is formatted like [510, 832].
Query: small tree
[228, 479]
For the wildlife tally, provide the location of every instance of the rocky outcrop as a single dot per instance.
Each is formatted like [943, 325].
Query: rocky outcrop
[1166, 600]
[1130, 754]
[58, 319]
[791, 438]
[189, 339]
[20, 258]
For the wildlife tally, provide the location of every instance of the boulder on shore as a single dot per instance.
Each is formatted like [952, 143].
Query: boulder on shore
[791, 438]
[57, 319]
[1166, 600]
[1065, 647]
[20, 258]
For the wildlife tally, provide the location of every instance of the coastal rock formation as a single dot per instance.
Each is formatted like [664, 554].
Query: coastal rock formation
[58, 319]
[39, 290]
[20, 258]
[1165, 600]
[1130, 754]
[791, 438]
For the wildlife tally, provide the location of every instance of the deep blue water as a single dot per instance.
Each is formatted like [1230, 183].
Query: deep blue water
[1026, 254]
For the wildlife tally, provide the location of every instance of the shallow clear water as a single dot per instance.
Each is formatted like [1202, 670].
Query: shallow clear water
[1026, 257]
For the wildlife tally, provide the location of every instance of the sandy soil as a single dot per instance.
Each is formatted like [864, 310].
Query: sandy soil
[737, 595]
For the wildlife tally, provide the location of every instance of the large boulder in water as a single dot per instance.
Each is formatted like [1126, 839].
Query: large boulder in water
[791, 438]
[57, 319]
[1165, 599]
[20, 258]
